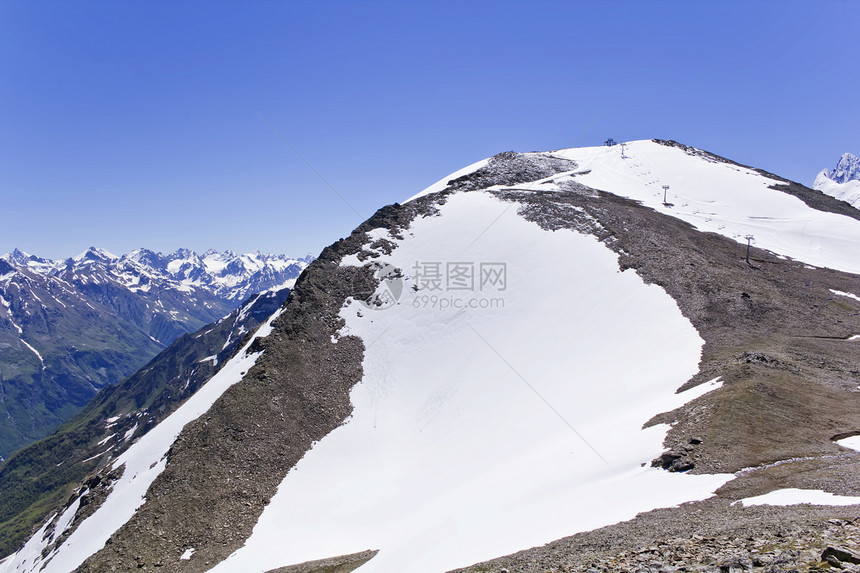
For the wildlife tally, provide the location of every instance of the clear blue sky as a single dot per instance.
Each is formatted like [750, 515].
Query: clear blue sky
[126, 124]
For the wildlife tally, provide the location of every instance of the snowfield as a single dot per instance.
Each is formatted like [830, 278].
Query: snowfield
[479, 432]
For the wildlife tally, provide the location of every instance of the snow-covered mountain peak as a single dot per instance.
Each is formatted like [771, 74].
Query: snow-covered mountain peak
[148, 299]
[847, 169]
[146, 258]
[17, 256]
[95, 254]
[842, 182]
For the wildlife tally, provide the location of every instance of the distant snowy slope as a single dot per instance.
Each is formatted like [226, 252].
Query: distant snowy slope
[843, 182]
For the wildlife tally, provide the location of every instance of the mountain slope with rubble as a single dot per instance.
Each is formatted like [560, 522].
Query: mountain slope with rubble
[39, 477]
[545, 345]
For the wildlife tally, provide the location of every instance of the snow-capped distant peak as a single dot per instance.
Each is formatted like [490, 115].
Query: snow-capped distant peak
[848, 169]
[95, 254]
[17, 256]
[843, 182]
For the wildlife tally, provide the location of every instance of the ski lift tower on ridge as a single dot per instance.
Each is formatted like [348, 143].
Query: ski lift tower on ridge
[749, 239]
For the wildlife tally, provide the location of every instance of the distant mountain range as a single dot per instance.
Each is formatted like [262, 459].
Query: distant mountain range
[69, 328]
[843, 182]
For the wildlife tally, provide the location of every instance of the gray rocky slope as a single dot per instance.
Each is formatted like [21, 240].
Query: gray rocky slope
[773, 330]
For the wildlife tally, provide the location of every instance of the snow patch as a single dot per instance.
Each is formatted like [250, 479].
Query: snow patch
[852, 443]
[36, 352]
[96, 456]
[33, 550]
[698, 391]
[794, 496]
[845, 294]
[127, 436]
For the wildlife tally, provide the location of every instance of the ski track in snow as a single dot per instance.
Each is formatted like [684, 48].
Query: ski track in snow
[144, 461]
[452, 455]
